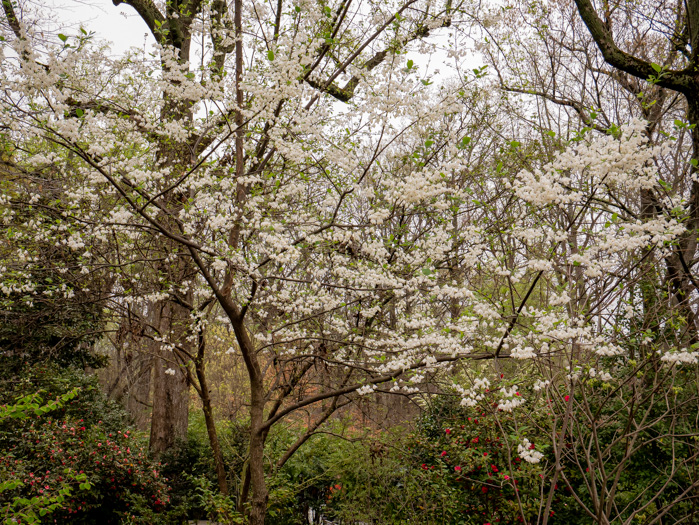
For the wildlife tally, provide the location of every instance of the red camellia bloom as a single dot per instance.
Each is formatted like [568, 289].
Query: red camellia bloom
[457, 468]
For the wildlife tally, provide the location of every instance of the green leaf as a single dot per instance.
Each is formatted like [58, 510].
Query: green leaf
[62, 37]
[270, 55]
[79, 112]
[656, 67]
[428, 143]
[466, 141]
[410, 64]
[297, 9]
[426, 271]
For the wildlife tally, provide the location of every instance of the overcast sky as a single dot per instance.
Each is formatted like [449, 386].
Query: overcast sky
[119, 25]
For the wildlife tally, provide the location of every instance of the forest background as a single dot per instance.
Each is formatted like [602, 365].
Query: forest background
[278, 264]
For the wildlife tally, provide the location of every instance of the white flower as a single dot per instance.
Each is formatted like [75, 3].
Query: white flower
[523, 353]
[218, 264]
[366, 389]
[681, 357]
[513, 399]
[605, 376]
[541, 384]
[608, 350]
[170, 371]
[527, 453]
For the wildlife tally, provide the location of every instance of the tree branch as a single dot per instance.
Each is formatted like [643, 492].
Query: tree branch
[682, 81]
[12, 19]
[149, 13]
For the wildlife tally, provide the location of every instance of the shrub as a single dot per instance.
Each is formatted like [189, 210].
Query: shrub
[80, 468]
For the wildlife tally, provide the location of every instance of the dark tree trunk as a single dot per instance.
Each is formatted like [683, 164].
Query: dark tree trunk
[209, 417]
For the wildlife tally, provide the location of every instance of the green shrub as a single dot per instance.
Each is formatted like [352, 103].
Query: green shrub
[67, 461]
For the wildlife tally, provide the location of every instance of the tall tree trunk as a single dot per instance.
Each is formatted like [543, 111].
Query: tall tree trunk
[138, 388]
[170, 390]
[207, 407]
[260, 495]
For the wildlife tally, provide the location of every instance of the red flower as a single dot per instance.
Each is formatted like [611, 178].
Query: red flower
[444, 453]
[457, 468]
[567, 398]
[448, 431]
[484, 490]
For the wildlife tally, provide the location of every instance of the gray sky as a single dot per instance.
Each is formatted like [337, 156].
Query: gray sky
[119, 25]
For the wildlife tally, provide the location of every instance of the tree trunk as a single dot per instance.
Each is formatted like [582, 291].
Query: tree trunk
[209, 418]
[138, 388]
[170, 391]
[258, 485]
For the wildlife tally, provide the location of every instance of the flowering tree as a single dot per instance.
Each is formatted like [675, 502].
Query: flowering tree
[596, 66]
[347, 249]
[247, 196]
